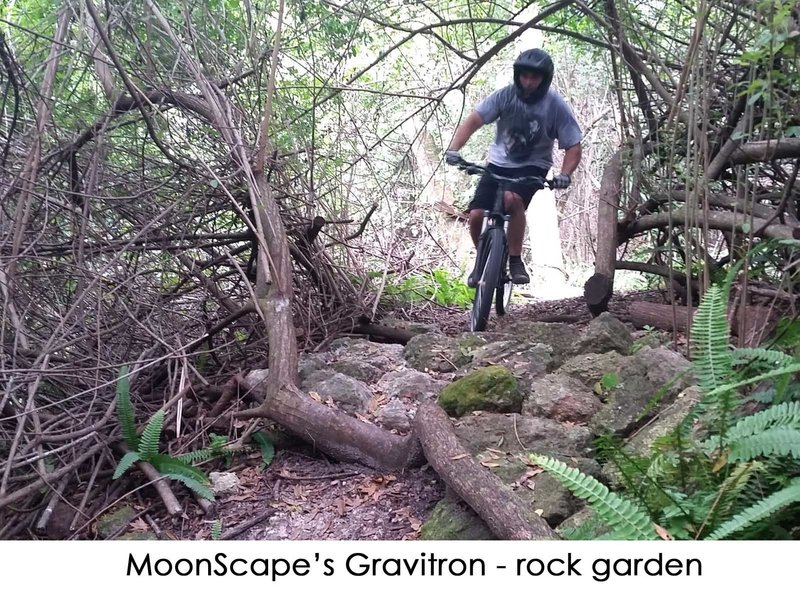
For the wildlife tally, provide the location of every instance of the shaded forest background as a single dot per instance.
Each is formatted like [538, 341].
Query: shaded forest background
[193, 189]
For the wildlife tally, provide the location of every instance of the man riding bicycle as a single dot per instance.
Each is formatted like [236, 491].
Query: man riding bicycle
[530, 117]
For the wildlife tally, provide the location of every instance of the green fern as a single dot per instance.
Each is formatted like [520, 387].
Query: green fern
[193, 485]
[125, 463]
[780, 441]
[626, 519]
[769, 358]
[196, 456]
[167, 464]
[217, 448]
[216, 529]
[784, 370]
[761, 510]
[145, 448]
[710, 333]
[267, 448]
[785, 415]
[727, 494]
[190, 476]
[148, 443]
[125, 409]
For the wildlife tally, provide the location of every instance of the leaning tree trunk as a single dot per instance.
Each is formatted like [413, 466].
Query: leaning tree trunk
[597, 290]
[332, 432]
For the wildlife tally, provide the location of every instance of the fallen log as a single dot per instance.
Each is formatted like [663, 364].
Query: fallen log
[384, 333]
[751, 324]
[508, 516]
[332, 432]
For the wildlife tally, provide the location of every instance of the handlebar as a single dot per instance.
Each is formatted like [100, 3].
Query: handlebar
[474, 168]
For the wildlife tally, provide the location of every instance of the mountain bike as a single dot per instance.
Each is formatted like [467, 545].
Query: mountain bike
[491, 263]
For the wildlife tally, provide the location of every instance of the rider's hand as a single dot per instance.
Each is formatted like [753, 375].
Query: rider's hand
[561, 181]
[453, 158]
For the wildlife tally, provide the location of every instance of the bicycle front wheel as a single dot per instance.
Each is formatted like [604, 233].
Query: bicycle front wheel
[502, 299]
[489, 279]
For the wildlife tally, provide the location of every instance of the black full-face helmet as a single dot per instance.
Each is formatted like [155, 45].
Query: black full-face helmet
[537, 61]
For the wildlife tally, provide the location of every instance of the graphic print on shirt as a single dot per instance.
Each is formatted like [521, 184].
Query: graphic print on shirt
[522, 135]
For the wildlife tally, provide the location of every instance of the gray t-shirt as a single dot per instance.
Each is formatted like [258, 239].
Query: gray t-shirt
[526, 132]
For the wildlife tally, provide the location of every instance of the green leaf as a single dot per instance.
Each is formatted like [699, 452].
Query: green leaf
[754, 98]
[628, 521]
[216, 529]
[745, 228]
[125, 463]
[710, 334]
[148, 444]
[125, 409]
[794, 368]
[609, 381]
[761, 510]
[267, 448]
[780, 441]
[171, 465]
[192, 484]
[195, 456]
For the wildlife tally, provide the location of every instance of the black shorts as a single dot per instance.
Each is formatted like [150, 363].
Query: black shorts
[487, 186]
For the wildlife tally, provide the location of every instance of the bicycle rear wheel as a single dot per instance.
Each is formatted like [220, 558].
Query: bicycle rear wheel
[489, 279]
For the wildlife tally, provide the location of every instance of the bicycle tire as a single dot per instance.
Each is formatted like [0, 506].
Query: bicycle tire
[489, 280]
[502, 298]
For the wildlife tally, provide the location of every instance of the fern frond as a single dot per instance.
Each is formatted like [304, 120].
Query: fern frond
[267, 448]
[148, 443]
[785, 415]
[710, 335]
[727, 494]
[125, 409]
[778, 441]
[196, 456]
[628, 521]
[171, 465]
[216, 529]
[769, 358]
[784, 370]
[192, 484]
[759, 511]
[125, 463]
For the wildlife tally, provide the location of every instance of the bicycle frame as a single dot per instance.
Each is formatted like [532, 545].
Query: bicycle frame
[491, 267]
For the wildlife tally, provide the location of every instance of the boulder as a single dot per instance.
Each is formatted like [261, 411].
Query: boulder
[561, 397]
[492, 388]
[351, 395]
[395, 416]
[409, 384]
[357, 369]
[605, 334]
[440, 353]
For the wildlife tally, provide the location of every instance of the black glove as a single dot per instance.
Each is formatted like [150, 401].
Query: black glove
[561, 181]
[453, 158]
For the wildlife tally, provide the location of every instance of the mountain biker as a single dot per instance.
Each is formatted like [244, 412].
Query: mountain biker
[530, 117]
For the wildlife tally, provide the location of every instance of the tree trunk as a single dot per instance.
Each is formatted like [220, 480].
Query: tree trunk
[597, 290]
[715, 220]
[508, 517]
